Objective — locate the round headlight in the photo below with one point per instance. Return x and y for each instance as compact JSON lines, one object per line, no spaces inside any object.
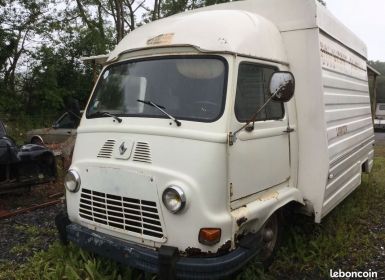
{"x":72,"y":181}
{"x":174,"y":199}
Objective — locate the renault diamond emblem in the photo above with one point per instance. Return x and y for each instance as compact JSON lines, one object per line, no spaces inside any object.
{"x":122,"y":149}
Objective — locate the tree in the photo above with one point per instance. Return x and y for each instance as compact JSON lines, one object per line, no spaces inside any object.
{"x":122,"y":12}
{"x":21,"y":22}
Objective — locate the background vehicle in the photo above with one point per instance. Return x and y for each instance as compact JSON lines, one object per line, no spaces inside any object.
{"x":379,"y":120}
{"x":63,"y":128}
{"x":182,"y":161}
{"x":23,"y":166}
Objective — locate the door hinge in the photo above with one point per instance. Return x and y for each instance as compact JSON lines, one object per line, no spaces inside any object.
{"x":288,"y":130}
{"x":231,"y":138}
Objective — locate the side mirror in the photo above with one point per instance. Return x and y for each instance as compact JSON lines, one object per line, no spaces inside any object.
{"x":55,"y":126}
{"x":282,"y":85}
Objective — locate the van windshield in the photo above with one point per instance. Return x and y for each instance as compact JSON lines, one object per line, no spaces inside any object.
{"x":188,"y":88}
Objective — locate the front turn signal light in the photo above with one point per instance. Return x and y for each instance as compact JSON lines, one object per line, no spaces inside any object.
{"x":209,"y":236}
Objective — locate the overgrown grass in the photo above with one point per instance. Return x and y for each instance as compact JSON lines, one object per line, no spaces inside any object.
{"x":347,"y":239}
{"x":69,"y":262}
{"x":17,"y":126}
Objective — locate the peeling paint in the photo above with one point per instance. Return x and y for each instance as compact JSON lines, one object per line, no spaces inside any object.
{"x":268,"y":196}
{"x":194,"y":252}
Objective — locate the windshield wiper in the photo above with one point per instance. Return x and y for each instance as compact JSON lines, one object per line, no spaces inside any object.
{"x":160,"y":108}
{"x":96,"y":114}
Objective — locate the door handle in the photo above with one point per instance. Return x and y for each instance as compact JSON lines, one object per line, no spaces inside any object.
{"x":288,"y":130}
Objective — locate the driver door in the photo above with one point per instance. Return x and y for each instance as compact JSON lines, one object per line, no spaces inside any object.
{"x":258,"y":159}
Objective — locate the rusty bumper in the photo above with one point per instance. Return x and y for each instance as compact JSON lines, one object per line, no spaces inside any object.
{"x":164,"y":261}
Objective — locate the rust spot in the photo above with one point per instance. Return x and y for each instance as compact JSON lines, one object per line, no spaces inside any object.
{"x":225,"y":248}
{"x":241,"y":221}
{"x":194,"y":252}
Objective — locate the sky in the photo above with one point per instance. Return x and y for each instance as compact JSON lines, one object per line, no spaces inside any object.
{"x":366,"y":18}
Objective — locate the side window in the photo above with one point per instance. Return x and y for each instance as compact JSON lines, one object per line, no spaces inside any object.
{"x":66,"y":122}
{"x":252,"y":93}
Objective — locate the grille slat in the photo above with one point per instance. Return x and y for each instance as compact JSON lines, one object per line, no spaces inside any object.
{"x":130,"y":214}
{"x":107,"y":149}
{"x":142,"y":152}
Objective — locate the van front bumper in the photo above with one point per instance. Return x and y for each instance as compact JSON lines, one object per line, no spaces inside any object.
{"x":162,"y":262}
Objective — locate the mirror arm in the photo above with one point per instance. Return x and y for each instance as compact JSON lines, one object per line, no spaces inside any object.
{"x":254,"y":117}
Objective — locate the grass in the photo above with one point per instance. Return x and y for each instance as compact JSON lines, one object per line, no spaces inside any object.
{"x":17,"y":126}
{"x":348,"y":239}
{"x":69,"y":262}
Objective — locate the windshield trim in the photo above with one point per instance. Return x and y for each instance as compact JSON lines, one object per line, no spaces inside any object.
{"x":192,"y":56}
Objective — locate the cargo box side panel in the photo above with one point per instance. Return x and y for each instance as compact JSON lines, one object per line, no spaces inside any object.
{"x":313,"y":163}
{"x":348,"y":119}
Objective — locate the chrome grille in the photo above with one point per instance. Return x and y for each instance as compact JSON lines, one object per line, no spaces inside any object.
{"x":142,"y":152}
{"x":106,"y":150}
{"x":130,"y":214}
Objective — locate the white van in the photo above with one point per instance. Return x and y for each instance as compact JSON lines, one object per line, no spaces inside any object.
{"x":379,"y":120}
{"x":184,"y":164}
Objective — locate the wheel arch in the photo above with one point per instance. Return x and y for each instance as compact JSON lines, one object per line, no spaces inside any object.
{"x":250,"y":217}
{"x":36,"y":136}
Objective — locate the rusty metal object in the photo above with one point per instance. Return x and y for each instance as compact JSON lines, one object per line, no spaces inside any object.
{"x":8,"y":214}
{"x":194,"y":252}
{"x":241,"y":221}
{"x":225,"y":248}
{"x":56,"y":195}
{"x":64,"y":151}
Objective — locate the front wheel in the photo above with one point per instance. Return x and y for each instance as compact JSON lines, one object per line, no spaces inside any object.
{"x":271,"y":233}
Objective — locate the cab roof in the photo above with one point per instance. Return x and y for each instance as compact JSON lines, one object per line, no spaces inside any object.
{"x":209,"y":31}
{"x":250,"y":28}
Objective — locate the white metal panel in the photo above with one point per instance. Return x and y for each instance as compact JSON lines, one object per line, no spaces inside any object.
{"x":347,"y":102}
{"x":303,"y":53}
{"x":198,"y":167}
{"x":250,"y":34}
{"x":259,"y":159}
{"x":347,"y":116}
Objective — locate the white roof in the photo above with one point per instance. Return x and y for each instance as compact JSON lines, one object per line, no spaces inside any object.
{"x":247,"y":34}
{"x":245,"y":27}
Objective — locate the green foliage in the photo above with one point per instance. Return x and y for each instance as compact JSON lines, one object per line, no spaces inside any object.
{"x":60,"y":262}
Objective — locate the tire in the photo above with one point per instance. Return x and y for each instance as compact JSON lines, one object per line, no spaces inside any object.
{"x":271,"y":233}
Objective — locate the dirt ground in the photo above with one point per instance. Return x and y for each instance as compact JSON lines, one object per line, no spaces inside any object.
{"x":23,"y":235}
{"x":26,"y":198}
